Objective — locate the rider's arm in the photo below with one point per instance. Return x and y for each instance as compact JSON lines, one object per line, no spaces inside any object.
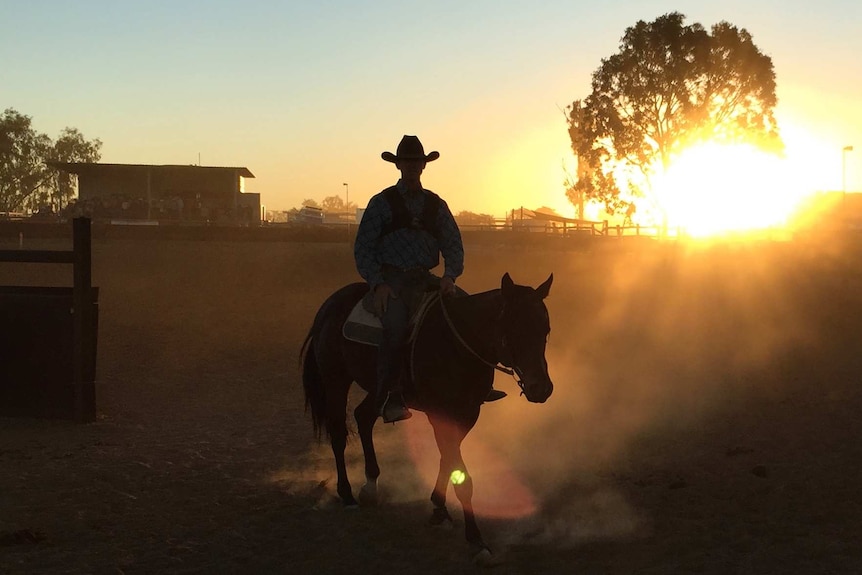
{"x":366,"y":249}
{"x":451,"y":245}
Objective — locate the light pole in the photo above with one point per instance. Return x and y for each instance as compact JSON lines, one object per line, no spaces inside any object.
{"x":844,"y":151}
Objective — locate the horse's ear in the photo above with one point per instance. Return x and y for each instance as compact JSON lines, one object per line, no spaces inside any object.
{"x":544,"y":289}
{"x":507,"y":285}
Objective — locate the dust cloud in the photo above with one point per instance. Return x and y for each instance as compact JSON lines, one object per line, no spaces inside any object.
{"x":649,"y":348}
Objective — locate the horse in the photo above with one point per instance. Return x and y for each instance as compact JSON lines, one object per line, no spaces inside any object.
{"x":449,"y":371}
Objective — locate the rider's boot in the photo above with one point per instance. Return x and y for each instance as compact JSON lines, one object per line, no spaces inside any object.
{"x":393,"y":408}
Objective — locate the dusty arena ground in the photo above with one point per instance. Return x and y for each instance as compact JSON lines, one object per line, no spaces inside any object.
{"x":706,"y":419}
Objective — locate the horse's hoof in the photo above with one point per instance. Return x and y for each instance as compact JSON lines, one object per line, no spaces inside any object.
{"x":328,"y":503}
{"x":440,"y":517}
{"x":484,"y":558}
{"x":368,"y":495}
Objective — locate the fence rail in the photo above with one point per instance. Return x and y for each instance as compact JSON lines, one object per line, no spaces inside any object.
{"x":37,"y":256}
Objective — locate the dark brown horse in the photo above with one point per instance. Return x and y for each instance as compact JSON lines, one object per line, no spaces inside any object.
{"x":452,"y":360}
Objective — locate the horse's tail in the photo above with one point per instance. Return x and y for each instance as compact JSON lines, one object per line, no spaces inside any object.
{"x":315,"y":391}
{"x":312,"y":380}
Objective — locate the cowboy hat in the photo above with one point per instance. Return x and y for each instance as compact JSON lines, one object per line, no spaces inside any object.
{"x":410,"y":148}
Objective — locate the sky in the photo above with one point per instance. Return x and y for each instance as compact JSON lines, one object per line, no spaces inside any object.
{"x":308,"y":94}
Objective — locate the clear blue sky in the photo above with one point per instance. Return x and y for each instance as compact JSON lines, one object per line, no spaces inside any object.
{"x":308,"y":94}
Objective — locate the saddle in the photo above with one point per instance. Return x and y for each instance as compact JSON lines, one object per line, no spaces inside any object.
{"x":362,"y":326}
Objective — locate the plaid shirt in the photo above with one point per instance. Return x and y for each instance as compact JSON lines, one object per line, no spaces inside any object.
{"x":406,"y":248}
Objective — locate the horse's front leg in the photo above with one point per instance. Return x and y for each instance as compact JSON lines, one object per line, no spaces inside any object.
{"x":449,"y":436}
{"x":440,"y":514}
{"x":366,"y":415}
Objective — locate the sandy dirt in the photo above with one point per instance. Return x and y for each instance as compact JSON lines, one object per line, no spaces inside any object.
{"x":706,"y":419}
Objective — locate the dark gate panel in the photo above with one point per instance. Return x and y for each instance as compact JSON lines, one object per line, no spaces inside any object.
{"x":37,"y":351}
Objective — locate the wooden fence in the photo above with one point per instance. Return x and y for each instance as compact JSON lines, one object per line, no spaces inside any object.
{"x":84,"y":311}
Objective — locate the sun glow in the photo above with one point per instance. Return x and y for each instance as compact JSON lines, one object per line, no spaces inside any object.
{"x":715,"y":189}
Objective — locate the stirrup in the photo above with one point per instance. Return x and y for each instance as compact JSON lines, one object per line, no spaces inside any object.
{"x":394,"y":409}
{"x":494,"y":395}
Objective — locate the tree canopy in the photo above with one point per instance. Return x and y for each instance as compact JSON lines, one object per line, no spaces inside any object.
{"x":71,"y":146}
{"x":671,"y":85}
{"x":26,"y":180}
{"x":337,"y":204}
{"x":465,"y":218}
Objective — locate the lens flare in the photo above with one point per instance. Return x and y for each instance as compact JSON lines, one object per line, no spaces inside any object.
{"x":501,"y":492}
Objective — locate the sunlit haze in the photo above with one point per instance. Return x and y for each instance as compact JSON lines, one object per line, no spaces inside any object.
{"x":712,"y":188}
{"x":307,"y":95}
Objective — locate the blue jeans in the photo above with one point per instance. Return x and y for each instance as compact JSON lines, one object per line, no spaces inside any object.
{"x":408,"y":289}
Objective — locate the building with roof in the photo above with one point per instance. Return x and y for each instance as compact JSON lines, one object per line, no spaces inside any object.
{"x":164,"y":193}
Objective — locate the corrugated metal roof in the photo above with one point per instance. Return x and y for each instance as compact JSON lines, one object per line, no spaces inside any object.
{"x":79,"y":167}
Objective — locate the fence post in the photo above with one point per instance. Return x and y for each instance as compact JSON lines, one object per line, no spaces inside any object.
{"x":82,"y":331}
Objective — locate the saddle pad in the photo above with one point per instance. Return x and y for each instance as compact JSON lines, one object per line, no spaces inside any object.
{"x":362,"y":326}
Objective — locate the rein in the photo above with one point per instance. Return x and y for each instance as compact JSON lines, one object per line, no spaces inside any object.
{"x":515,"y":373}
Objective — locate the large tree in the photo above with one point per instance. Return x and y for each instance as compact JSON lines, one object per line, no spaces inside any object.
{"x":22,"y":160}
{"x":26,"y":180}
{"x":333,"y":204}
{"x":70,"y":146}
{"x":671,"y":85}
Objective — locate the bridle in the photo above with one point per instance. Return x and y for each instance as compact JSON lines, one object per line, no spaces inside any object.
{"x":514,"y":371}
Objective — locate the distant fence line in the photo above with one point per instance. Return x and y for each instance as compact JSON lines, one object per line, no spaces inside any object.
{"x":19,"y":232}
{"x":541,"y":224}
{"x":565,"y":226}
{"x":579,"y":228}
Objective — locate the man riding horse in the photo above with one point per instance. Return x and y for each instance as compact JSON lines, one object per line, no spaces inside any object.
{"x":404,"y":230}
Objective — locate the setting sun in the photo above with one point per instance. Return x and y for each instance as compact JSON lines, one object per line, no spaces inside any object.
{"x":714,"y":189}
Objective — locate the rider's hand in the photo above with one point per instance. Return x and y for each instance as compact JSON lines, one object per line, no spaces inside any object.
{"x":447,"y":286}
{"x":381,"y":298}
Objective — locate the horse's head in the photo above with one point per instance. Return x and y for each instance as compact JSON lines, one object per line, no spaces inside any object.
{"x":524,"y":327}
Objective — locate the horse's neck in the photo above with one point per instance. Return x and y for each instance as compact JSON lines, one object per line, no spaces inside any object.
{"x":475,"y":318}
{"x":478,"y":308}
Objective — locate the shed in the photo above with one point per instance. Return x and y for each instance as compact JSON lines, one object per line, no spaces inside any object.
{"x":164,"y":192}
